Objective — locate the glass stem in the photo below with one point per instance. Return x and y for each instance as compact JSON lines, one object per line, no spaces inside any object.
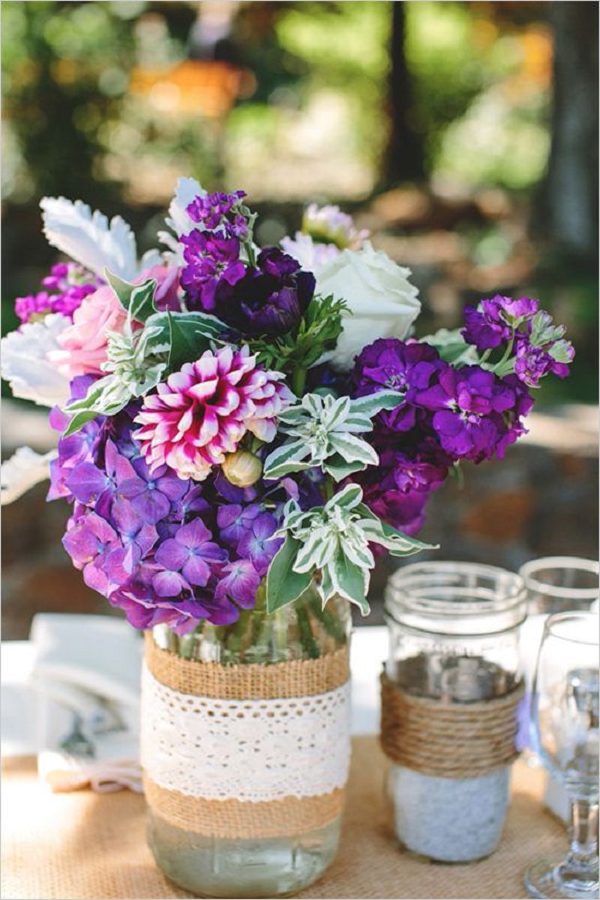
{"x":583,"y":834}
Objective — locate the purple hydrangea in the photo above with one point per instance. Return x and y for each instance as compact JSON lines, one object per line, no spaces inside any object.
{"x":186,"y":560}
{"x":66,"y":286}
{"x":163,"y":549}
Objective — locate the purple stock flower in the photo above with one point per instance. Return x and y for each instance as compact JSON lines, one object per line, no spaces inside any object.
{"x":213,"y":262}
{"x":404,"y":366}
{"x":66,"y":286}
{"x":534,"y":363}
{"x":187,"y":560}
{"x":468,"y":406}
{"x":494,"y":321}
{"x":220,"y":212}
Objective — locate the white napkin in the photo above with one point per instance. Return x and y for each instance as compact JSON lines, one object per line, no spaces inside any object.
{"x":86,"y":676}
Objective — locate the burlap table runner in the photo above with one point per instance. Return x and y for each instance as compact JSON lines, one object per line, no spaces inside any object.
{"x":90,"y":846}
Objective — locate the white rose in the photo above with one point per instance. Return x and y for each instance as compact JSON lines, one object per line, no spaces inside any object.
{"x":380,"y":298}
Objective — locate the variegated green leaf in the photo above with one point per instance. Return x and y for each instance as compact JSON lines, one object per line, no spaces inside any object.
{"x":335,"y":412}
{"x":353,"y":449}
{"x":349,"y":581}
{"x":136,"y":299}
{"x":372,"y":404}
{"x":284,"y":584}
{"x":317,"y":550}
{"x":285,"y":459}
{"x":347,"y":499}
{"x":339,"y":469}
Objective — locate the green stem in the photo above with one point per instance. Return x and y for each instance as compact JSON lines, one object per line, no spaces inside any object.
{"x":298,"y":381}
{"x":329,"y":488}
{"x":237,"y":632}
{"x":306,"y":635}
{"x":330,"y":621}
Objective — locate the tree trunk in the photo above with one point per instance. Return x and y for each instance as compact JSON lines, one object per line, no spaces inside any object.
{"x":404,"y":155}
{"x":567,"y":208}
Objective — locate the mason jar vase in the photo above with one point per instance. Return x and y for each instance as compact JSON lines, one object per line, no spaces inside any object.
{"x":248,"y":865}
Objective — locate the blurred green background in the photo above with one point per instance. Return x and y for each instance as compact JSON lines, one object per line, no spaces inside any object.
{"x":463,"y":134}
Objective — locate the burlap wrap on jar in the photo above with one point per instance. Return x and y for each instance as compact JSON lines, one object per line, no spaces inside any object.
{"x":245,"y":751}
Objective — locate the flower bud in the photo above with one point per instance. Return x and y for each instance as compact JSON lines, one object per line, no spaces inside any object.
{"x":242,"y":468}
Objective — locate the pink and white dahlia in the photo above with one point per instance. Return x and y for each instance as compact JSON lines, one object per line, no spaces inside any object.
{"x":201,"y":413}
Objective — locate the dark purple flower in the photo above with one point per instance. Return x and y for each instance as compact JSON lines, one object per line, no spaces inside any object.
{"x":412,"y":474}
{"x":404,"y":366}
{"x":212,"y":262}
{"x":239,"y":582}
{"x":468,"y":405}
{"x":258,"y":544}
{"x":269,"y":299}
{"x":187,"y":560}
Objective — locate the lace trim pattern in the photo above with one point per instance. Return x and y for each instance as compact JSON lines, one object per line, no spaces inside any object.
{"x":248,"y":750}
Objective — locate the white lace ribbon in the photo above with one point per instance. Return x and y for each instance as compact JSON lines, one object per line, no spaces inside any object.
{"x":248,"y":750}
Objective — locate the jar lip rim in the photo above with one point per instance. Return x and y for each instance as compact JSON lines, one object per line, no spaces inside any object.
{"x":515,"y":597}
{"x":577,"y":563}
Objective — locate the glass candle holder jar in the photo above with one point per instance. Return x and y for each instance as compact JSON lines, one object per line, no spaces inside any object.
{"x":558,"y":584}
{"x":450,"y":696}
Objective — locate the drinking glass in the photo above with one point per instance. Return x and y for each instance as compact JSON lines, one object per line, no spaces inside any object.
{"x":564,"y":732}
{"x":560,"y":583}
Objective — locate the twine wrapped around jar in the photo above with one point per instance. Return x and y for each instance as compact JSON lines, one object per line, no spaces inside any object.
{"x":255,"y":750}
{"x":450,"y":740}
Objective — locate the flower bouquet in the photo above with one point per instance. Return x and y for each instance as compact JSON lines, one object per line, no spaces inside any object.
{"x":243,"y":430}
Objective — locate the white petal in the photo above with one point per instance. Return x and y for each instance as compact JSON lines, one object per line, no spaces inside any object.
{"x":22,"y":471}
{"x":24,"y":362}
{"x":89,"y":238}
{"x":186,"y":190}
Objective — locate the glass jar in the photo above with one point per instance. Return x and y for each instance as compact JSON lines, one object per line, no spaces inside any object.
{"x":558,"y":584}
{"x":251,"y":866}
{"x":454,"y":633}
{"x":554,"y":584}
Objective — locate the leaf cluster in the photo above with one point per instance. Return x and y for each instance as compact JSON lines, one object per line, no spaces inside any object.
{"x":332,"y":541}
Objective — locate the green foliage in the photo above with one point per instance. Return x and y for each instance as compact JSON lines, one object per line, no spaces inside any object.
{"x":323,"y":432}
{"x":331,"y":545}
{"x":317,"y":333}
